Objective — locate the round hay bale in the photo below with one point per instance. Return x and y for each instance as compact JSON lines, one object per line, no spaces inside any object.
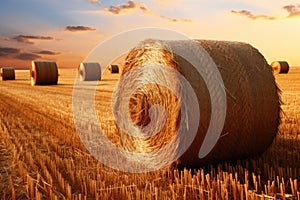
{"x":113,"y":69}
{"x":251,"y":121}
{"x":43,"y":73}
{"x":7,"y":73}
{"x":89,"y":71}
{"x":280,"y":67}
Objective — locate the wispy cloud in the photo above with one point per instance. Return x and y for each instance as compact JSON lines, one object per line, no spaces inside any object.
{"x":131,"y":6}
{"x":250,"y":15}
{"x":293,"y":11}
{"x":27,"y":56}
{"x":5,"y":51}
{"x":20,"y":54}
{"x":175,"y":19}
{"x":127,"y":7}
{"x":79,"y":28}
{"x":47,"y":52}
{"x":94,"y":1}
{"x":28,"y":38}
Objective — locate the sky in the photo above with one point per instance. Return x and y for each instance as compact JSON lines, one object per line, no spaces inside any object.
{"x":67,"y":30}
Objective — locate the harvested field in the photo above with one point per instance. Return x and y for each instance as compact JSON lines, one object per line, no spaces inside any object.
{"x":42,"y":157}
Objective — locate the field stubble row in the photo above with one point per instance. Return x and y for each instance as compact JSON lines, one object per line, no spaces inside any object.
{"x":42,"y":157}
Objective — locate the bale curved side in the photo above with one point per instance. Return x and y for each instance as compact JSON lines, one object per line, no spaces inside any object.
{"x":89,"y":71}
{"x":7,"y":73}
{"x":113,"y":69}
{"x":43,"y":73}
{"x":251,"y":121}
{"x":280,"y":67}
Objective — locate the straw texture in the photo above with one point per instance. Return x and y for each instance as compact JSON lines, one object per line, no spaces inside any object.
{"x":7,"y":73}
{"x":252,"y":119}
{"x":43,"y":73}
{"x":89,"y":71}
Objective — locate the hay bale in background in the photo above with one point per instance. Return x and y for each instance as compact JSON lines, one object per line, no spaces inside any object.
{"x":113,"y":69}
{"x":280,"y":67}
{"x":252,"y":119}
{"x":43,"y":73}
{"x":7,"y":73}
{"x":89,"y":71}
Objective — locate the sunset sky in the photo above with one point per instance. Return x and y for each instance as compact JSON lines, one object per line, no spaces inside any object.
{"x":67,"y":30}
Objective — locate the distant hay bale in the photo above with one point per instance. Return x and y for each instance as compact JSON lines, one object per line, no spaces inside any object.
{"x":7,"y":73}
{"x":253,"y":102}
{"x":113,"y":69}
{"x":280,"y":67}
{"x":43,"y":73}
{"x":89,"y":71}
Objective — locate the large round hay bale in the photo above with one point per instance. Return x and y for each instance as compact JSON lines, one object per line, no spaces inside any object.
{"x":43,"y":73}
{"x":113,"y":69}
{"x":280,"y":67}
{"x":7,"y":73}
{"x":89,"y":71}
{"x":251,"y":121}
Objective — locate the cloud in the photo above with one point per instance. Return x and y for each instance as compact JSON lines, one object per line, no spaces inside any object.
{"x":9,"y":53}
{"x":47,"y":52}
{"x":174,"y":19}
{"x":293,"y":10}
{"x":27,"y":56}
{"x":131,"y":6}
{"x":5,"y":51}
{"x":28,"y":38}
{"x":250,"y":15}
{"x":123,"y":8}
{"x":79,"y":28}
